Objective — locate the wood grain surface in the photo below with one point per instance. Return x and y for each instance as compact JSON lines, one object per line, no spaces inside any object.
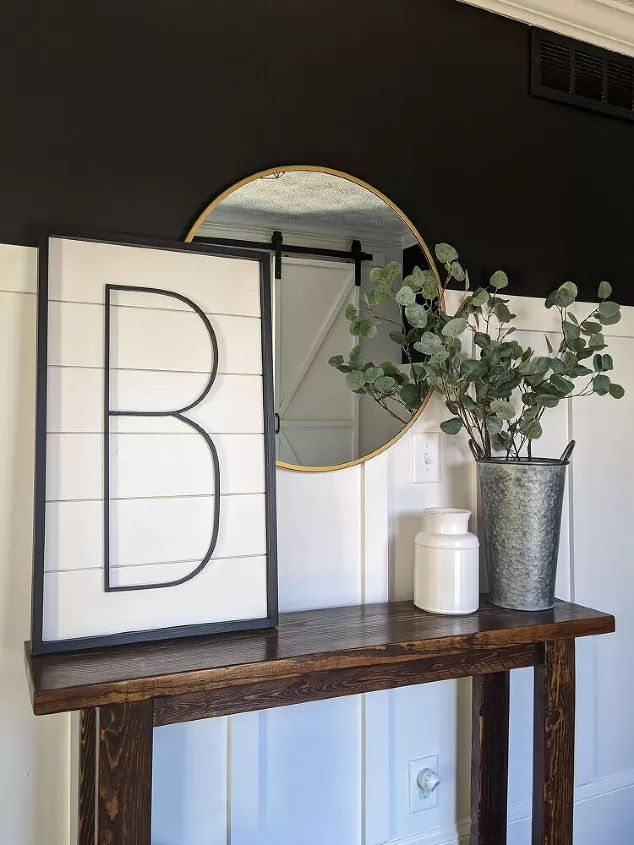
{"x":333,"y":683}
{"x":489,"y":758}
{"x":554,"y":745}
{"x":87,"y":772}
{"x":124,"y":789}
{"x":305,"y":642}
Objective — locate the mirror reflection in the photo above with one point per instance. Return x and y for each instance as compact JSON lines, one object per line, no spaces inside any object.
{"x":344,"y":386}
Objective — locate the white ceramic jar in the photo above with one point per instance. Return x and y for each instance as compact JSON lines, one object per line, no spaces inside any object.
{"x":446,"y":568}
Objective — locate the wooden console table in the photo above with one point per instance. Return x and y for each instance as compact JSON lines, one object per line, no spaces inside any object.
{"x":124,"y":692}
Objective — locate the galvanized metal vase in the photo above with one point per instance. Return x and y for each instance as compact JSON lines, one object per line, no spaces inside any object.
{"x":521,"y":505}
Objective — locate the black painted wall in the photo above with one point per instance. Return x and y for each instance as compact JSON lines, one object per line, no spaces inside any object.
{"x":129,"y":115}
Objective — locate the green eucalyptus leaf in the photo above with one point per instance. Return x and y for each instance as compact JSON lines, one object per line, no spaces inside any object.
{"x":355,"y":379}
{"x":550,"y":299}
{"x":610,"y":320}
{"x":416,"y":315}
{"x":577,"y":344}
{"x":451,"y":426}
{"x":580,"y":370}
{"x":410,"y":395}
{"x":601,"y":384}
{"x":493,"y":424}
{"x":616,"y":391}
{"x":405,"y":295}
{"x":413,"y":281}
{"x":391,"y":271}
{"x":351,"y":312}
{"x":439,"y":356}
{"x":445,"y":253}
{"x":372,"y":374}
{"x":562,"y":384}
{"x":482,"y":340}
{"x":608,"y":363}
{"x":429,"y":285}
{"x":431,"y":371}
{"x":385,"y":384}
{"x":533,"y":430}
{"x":399,"y":337}
{"x":428,"y":343}
{"x":547,"y":401}
{"x":570,"y":288}
{"x":472,"y":370}
{"x":367,"y":327}
{"x":502,"y":312}
{"x":390,"y":369}
{"x":454,"y":327}
{"x":590,"y":327}
{"x":504,"y":410}
{"x":499,"y":280}
{"x":596,"y":340}
{"x":605,"y":290}
{"x":355,"y":327}
{"x":607,"y":308}
{"x":479,"y":297}
{"x":381,"y":294}
{"x":570,"y":331}
{"x":336,"y":360}
{"x":457,"y":271}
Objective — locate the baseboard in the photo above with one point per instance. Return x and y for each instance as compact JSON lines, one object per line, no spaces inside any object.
{"x":519,"y":814}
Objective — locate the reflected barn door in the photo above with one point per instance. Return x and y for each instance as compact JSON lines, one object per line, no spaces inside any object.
{"x":319,"y":423}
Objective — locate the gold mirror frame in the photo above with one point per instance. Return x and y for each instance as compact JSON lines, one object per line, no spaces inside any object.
{"x":428,"y":255}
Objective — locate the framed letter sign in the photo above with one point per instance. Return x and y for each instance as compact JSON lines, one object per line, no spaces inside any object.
{"x":154,"y":493}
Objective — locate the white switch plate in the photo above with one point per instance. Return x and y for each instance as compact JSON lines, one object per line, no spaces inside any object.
{"x":416,"y":802}
{"x":426,"y":457}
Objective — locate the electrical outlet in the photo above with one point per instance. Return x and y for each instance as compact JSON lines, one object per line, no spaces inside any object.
{"x":426,"y":457}
{"x":420,"y":799}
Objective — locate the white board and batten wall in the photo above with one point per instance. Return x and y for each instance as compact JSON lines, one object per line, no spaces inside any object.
{"x":336,"y":772}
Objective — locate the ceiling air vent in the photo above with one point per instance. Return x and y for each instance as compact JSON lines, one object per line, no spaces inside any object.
{"x":582,"y":75}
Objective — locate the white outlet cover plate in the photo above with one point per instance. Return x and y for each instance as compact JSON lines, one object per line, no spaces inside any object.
{"x":426,"y":457}
{"x":416,"y":803}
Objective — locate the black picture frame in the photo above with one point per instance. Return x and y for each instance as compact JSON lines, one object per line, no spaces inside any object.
{"x":40,"y":646}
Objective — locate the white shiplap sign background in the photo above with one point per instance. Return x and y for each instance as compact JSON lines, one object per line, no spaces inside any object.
{"x":162,"y":481}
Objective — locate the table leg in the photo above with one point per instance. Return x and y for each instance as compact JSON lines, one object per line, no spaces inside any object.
{"x":489,"y":758}
{"x":87,"y":764}
{"x":124,"y":774}
{"x":554,"y":745}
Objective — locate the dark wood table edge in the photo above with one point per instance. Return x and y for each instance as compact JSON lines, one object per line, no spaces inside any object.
{"x":200,"y":681}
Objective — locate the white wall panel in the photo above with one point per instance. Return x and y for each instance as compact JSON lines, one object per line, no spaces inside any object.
{"x":603,"y":473}
{"x":34,"y":772}
{"x":319,"y":532}
{"x":190,"y":784}
{"x":296,"y":775}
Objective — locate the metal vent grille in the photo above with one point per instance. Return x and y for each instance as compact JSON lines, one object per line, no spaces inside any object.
{"x":582,"y":75}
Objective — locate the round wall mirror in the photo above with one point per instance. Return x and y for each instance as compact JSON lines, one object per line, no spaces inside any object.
{"x":344,"y":388}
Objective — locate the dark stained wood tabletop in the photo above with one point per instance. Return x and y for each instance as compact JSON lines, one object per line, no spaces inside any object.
{"x":313,"y":641}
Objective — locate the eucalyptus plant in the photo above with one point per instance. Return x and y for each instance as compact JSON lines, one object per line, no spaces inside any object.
{"x":495,"y":388}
